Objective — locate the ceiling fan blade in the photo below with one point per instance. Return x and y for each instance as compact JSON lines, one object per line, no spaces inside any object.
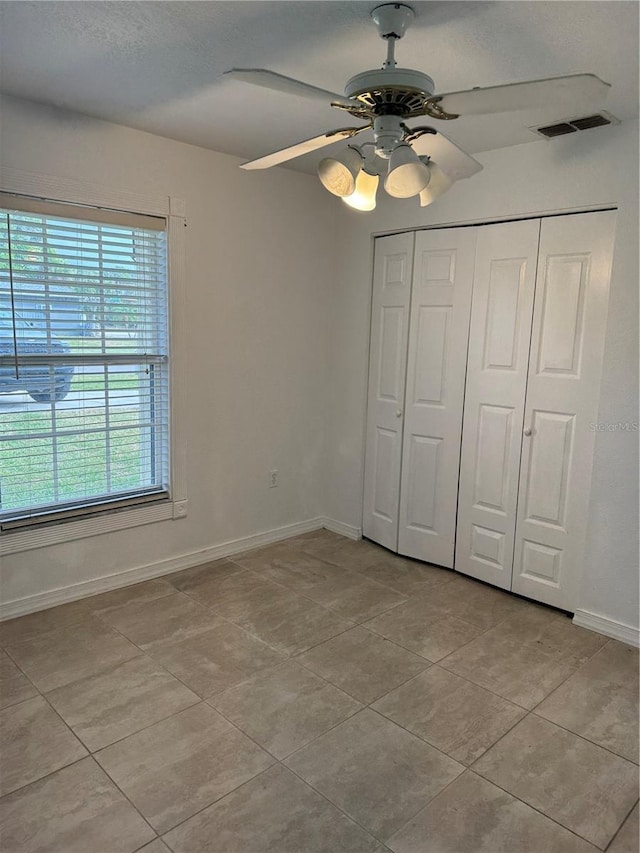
{"x":280,"y":83}
{"x":455,"y":162}
{"x":303,"y":147}
{"x":569,"y":92}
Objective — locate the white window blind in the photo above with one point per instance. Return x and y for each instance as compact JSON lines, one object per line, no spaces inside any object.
{"x":84,"y":370}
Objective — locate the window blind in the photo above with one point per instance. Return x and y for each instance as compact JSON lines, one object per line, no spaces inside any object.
{"x":84,"y":361}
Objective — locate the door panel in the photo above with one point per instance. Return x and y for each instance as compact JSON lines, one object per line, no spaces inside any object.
{"x":491,"y":484}
{"x":393,"y":263}
{"x":386,"y":451}
{"x":392,"y":335}
{"x":429,"y":372}
{"x":501,"y":325}
{"x":549,"y":458}
{"x":567,"y":346}
{"x":499,"y":343}
{"x":422,"y":477}
{"x":561,"y":325}
{"x":439,"y":328}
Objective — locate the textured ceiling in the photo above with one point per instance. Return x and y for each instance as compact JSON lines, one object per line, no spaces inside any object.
{"x":158,"y":66}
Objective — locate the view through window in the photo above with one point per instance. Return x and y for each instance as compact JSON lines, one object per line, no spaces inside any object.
{"x":83,"y":360}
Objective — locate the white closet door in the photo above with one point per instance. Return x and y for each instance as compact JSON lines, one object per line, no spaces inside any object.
{"x":392,"y":272}
{"x":569,"y":324}
{"x":438,"y":336}
{"x":499,"y":342}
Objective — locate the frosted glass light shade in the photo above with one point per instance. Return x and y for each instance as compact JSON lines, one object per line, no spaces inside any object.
{"x":440,"y":182}
{"x":364,"y":196}
{"x":407,"y":175}
{"x":338,"y":174}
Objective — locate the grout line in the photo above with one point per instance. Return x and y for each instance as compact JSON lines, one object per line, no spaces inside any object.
{"x":88,"y":757}
{"x":299,"y":748}
{"x":146,"y":844}
{"x":127,"y":798}
{"x":290,"y":655}
{"x":295,"y":595}
{"x":335,"y":805}
{"x":24,"y":674}
{"x":46,"y":775}
{"x":104,"y":671}
{"x":617,"y":832}
{"x":496,"y":742}
{"x":580,"y":667}
{"x":426,"y":805}
{"x":584,"y":738}
{"x":361,"y":701}
{"x":346,"y":569}
{"x":217,"y":800}
{"x":143,"y":728}
{"x":443,"y":660}
{"x":413,"y":651}
{"x":536,"y":809}
{"x":215,"y":710}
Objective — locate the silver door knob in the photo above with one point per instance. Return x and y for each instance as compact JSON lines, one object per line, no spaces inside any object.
{"x":399,"y":413}
{"x":527,"y":431}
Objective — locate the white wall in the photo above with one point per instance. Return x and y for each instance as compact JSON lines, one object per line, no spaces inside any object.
{"x":278,"y":302}
{"x":572,"y":173}
{"x":259,"y":250}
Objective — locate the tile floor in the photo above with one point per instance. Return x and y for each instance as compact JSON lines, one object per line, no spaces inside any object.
{"x":315,"y":695}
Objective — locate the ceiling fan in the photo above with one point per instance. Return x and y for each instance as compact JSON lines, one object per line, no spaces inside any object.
{"x":417,"y":160}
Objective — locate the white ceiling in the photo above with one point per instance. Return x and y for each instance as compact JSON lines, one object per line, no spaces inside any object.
{"x":158,"y":66}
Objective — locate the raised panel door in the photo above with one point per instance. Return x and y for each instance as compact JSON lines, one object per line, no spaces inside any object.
{"x":437,"y":354}
{"x":563,"y":388}
{"x":393,"y":264}
{"x":499,"y":341}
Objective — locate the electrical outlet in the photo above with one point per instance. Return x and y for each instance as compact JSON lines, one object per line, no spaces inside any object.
{"x":273,"y":478}
{"x":180,"y":509}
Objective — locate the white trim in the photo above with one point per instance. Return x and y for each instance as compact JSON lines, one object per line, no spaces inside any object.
{"x":75,"y":191}
{"x":63,"y":595}
{"x":26,"y":539}
{"x":177,"y":287}
{"x":173,"y":209}
{"x":507,"y":217}
{"x":608,"y":627}
{"x":342,"y":529}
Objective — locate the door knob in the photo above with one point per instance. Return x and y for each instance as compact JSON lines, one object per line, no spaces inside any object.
{"x":527,"y":431}
{"x":399,"y":413}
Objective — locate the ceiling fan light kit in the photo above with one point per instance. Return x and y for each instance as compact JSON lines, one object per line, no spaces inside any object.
{"x":407,"y":175}
{"x":364,"y":196}
{"x":418,"y":161}
{"x":439,"y":184}
{"x":338,"y":174}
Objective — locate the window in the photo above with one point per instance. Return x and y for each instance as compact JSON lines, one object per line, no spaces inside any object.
{"x":84,"y":361}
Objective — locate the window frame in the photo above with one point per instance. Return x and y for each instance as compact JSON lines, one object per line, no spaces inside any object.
{"x":173,"y":210}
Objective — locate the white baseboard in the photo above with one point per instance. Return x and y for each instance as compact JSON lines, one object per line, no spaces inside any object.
{"x":63,"y":595}
{"x":343,"y":529}
{"x":609,"y":627}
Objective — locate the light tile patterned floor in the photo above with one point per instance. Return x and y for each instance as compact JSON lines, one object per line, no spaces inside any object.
{"x":315,"y":696}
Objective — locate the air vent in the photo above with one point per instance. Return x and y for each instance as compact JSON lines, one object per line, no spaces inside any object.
{"x":590,"y":121}
{"x":561,"y":128}
{"x":552,"y":130}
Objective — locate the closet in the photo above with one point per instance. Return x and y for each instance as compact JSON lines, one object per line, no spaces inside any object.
{"x":486,"y":353}
{"x":419,"y":333}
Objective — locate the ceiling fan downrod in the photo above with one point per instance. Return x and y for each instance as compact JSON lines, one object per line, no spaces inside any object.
{"x":392,"y":20}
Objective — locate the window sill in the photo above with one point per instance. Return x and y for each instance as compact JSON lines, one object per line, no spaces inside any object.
{"x":25,"y":540}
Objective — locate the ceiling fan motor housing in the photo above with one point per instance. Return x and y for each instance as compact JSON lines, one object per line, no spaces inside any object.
{"x":391,"y":91}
